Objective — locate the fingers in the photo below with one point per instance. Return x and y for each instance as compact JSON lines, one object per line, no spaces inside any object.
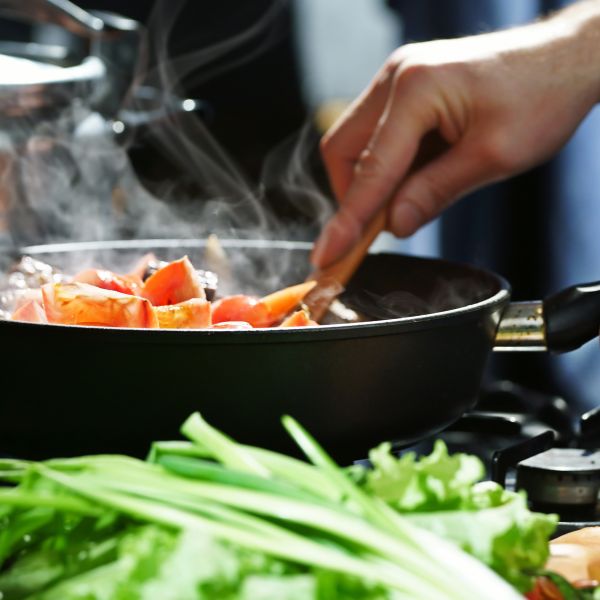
{"x":427,"y":192}
{"x":382,"y":163}
{"x":342,"y":144}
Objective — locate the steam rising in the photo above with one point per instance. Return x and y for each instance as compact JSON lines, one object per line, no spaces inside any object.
{"x":447,"y":294}
{"x":71,"y":177}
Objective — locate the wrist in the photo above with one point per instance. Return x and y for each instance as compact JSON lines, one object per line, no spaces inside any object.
{"x":577,"y":29}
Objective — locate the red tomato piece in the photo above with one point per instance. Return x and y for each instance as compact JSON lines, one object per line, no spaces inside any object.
{"x":83,"y":304}
{"x":241,"y":308}
{"x":31,"y":312}
{"x":174,"y":283}
{"x":107,"y":280}
{"x":190,"y":314}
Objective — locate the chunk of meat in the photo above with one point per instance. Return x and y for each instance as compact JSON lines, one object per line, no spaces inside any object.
{"x":176,"y":282}
{"x":84,"y":304}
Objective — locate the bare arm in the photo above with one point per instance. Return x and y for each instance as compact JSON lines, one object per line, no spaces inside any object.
{"x":501,"y":102}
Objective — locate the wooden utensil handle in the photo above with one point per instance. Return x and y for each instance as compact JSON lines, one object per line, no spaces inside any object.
{"x":343,"y":269}
{"x":332,"y":279}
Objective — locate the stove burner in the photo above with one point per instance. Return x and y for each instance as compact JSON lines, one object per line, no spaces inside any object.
{"x":562,"y":480}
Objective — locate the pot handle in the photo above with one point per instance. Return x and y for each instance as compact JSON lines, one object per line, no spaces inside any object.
{"x":59,"y":12}
{"x":572,"y":317}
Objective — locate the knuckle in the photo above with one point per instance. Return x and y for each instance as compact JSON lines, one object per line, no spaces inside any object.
{"x":394,"y":60}
{"x":414,"y":74}
{"x":402,"y":54}
{"x":404,"y":64}
{"x":369,"y":166}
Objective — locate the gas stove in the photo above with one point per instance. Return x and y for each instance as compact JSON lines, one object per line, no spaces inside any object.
{"x":529,"y":440}
{"x":559,"y":474}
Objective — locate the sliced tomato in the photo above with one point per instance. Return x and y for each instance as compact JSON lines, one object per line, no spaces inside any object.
{"x":282,"y":302}
{"x":241,"y":308}
{"x":31,"y":312}
{"x":190,"y":314}
{"x":544,"y":589}
{"x":173,"y":283}
{"x":232,"y":325}
{"x":83,"y":304}
{"x":107,"y":280}
{"x":299,"y":318}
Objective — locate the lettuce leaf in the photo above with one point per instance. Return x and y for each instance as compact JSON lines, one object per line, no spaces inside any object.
{"x":442,"y":493}
{"x":438,"y":481}
{"x":508,"y":537}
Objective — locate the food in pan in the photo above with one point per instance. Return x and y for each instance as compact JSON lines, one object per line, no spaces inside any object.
{"x":154,"y":294}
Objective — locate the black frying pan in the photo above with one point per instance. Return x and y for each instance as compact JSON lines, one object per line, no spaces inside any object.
{"x":84,"y":389}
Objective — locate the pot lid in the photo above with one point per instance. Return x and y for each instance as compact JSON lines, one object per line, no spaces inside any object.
{"x":34,"y":76}
{"x":27,"y":85}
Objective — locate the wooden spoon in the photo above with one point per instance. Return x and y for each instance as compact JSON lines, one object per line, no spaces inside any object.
{"x":332,"y":280}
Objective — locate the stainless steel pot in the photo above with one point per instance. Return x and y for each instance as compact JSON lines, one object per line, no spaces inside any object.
{"x":67,"y":98}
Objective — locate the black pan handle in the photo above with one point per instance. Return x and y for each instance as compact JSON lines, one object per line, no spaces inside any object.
{"x":572,"y":317}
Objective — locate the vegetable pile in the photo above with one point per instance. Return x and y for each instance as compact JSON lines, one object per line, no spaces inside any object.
{"x":155,"y":294}
{"x":211,"y":518}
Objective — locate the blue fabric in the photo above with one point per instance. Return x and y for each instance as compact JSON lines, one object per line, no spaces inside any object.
{"x":426,"y":19}
{"x":477,"y":228}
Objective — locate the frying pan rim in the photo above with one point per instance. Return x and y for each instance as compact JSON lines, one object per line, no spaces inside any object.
{"x":271,"y":334}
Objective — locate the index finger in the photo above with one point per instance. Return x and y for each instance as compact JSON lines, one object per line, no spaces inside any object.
{"x":381,"y":167}
{"x":343,"y":143}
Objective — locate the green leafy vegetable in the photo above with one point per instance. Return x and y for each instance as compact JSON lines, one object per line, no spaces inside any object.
{"x":211,"y":518}
{"x":442,"y":493}
{"x":438,"y":481}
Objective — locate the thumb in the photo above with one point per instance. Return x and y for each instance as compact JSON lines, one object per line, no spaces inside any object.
{"x":432,"y":188}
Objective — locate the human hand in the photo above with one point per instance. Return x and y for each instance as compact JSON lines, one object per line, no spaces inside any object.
{"x":501,"y":103}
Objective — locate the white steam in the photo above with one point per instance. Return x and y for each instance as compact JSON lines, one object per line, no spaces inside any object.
{"x":70,"y":177}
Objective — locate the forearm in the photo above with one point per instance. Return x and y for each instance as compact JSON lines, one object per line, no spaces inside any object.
{"x":576,"y":45}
